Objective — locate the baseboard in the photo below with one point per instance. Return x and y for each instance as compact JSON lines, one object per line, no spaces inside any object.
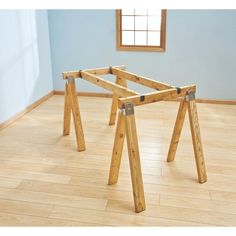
{"x":93,"y":94}
{"x":26,"y":110}
{"x":86,"y":94}
{"x":210,"y":101}
{"x":214,"y":101}
{"x":109,"y":95}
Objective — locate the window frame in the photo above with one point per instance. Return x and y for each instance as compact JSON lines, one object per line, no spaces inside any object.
{"x":121,"y":47}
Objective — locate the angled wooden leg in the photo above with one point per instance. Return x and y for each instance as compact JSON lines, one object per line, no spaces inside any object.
{"x":177,"y":130}
{"x":113,"y":112}
{"x":67,"y":112}
{"x":134,"y":159}
{"x":196,"y":137}
{"x":76,"y":114}
{"x":117,"y":149}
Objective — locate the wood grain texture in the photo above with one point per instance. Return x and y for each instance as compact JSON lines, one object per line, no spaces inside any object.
{"x":177,"y":130}
{"x":140,"y":79}
{"x":109,"y":95}
{"x":197,"y":143}
{"x":114,"y":104}
{"x":42,"y":168}
{"x":117,"y":149}
{"x":76,"y":116}
{"x":134,"y":162}
{"x":117,"y":89}
{"x":86,"y":94}
{"x":156,"y":96}
{"x":95,"y":71}
{"x":67,"y":111}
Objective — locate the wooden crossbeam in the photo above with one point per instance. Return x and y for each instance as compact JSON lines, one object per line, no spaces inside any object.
{"x":96,"y":71}
{"x":117,"y":89}
{"x":140,"y":79}
{"x":156,"y":96}
{"x":104,"y":71}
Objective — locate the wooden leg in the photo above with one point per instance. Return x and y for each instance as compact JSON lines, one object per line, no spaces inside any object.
{"x":117,"y":149}
{"x":76,"y":115}
{"x":134,"y":159}
{"x":114,"y":104}
{"x":197,"y":144}
{"x":67,"y":112}
{"x":177,"y":130}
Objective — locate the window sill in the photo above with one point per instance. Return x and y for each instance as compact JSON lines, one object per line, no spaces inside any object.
{"x":141,"y":48}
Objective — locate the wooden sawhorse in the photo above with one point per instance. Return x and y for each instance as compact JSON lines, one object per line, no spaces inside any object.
{"x":125,"y":100}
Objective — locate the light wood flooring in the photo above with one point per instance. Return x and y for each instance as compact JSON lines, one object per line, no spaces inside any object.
{"x":44,"y":181}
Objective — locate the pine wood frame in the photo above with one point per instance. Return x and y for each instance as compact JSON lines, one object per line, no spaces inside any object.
{"x":125,"y":100}
{"x":122,"y":47}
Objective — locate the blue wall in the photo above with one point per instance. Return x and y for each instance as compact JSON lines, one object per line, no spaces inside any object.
{"x":201,"y":49}
{"x":25,"y":65}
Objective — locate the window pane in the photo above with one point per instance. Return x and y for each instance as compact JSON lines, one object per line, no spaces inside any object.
{"x":128,"y":22}
{"x":153,"y":38}
{"x":127,"y":11}
{"x":140,"y":23}
{"x":154,"y":23}
{"x":142,"y":12}
{"x":154,"y":12}
{"x":140,"y":38}
{"x":128,"y":37}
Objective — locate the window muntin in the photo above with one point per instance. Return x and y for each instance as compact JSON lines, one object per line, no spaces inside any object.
{"x":141,"y":29}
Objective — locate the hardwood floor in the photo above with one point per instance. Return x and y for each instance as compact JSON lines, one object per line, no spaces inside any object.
{"x":44,"y":181}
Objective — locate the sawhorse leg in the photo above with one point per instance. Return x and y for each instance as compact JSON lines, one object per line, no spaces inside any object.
{"x":122,"y":82}
{"x":126,"y":124}
{"x":67,"y":111}
{"x":117,"y":148}
{"x":71,"y":102}
{"x":196,"y":137}
{"x":189,"y":102}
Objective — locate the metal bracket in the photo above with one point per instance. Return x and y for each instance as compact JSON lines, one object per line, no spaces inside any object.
{"x":110,"y":70}
{"x":142,"y":98}
{"x":70,"y":80}
{"x":122,"y":110}
{"x":80,"y":74}
{"x":190,"y":96}
{"x":178,"y":90}
{"x":129,"y":109}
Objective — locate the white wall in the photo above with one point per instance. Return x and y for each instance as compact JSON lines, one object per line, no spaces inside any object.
{"x":25,"y":62}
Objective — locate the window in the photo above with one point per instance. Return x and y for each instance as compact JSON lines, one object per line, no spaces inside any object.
{"x":141,"y":30}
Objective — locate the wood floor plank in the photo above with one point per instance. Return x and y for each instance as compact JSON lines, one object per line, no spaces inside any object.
{"x":7,"y":219}
{"x":9,"y":182}
{"x":52,"y":199}
{"x":180,"y":213}
{"x":25,"y":208}
{"x":42,"y":174}
{"x":83,"y":190}
{"x":113,"y":218}
{"x":196,"y":203}
{"x":18,"y":174}
{"x":223,"y":196}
